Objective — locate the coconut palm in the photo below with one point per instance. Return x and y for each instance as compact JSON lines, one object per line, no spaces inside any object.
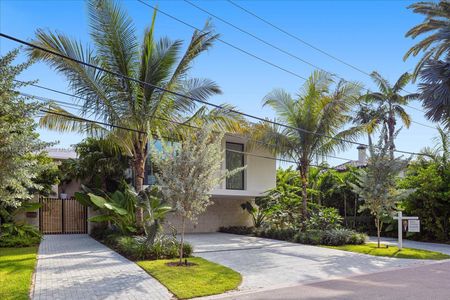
{"x":434,"y":67}
{"x":319,"y":110}
{"x":436,"y":27}
{"x":390,"y":104}
{"x":120,"y":101}
{"x":366,"y":115}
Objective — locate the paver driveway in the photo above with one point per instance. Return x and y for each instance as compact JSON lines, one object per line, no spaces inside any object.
{"x":78,"y":267}
{"x":269,"y":264}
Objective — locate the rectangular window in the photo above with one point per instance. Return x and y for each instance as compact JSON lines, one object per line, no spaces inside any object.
{"x":235,"y":160}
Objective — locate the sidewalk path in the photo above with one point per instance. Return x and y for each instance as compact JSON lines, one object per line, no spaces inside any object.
{"x":443,"y":248}
{"x":76,"y":266}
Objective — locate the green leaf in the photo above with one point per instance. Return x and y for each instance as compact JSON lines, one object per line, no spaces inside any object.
{"x":83,"y":198}
{"x":97,"y":200}
{"x":100,"y":218}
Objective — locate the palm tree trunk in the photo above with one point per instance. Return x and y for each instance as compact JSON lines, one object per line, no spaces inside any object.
{"x":139,"y":173}
{"x":304,"y":180}
{"x":391,"y":132}
{"x":354,"y":214}
{"x":377,"y":224}
{"x":345,"y":209}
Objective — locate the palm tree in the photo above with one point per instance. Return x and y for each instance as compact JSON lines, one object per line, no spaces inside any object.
{"x":433,"y":71}
{"x":436,"y":26}
{"x":366,"y":115}
{"x":390,"y":104}
{"x":319,"y":111}
{"x":117,"y":100}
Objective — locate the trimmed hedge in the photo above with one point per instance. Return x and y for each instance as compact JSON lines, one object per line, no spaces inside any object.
{"x":333,"y":237}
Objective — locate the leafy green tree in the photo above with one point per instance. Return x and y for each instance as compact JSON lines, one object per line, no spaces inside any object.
{"x":20,"y":147}
{"x":429,"y":176}
{"x":189,"y":171}
{"x":390,"y":103}
{"x":321,"y":110}
{"x":114,"y":99}
{"x":376,"y":184}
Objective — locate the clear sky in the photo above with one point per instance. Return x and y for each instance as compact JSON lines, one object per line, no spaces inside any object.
{"x":367,"y":34}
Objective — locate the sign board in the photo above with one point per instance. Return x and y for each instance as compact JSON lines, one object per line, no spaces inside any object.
{"x":413,"y":225}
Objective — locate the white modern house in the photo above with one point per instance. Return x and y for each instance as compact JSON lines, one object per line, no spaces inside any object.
{"x":62,"y":214}
{"x":258,"y":177}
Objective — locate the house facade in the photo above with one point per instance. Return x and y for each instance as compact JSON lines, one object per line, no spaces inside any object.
{"x":258,"y":177}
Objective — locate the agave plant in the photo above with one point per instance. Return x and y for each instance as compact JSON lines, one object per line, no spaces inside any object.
{"x":146,"y":106}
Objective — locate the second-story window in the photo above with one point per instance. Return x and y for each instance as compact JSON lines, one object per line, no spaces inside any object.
{"x":234,"y":160}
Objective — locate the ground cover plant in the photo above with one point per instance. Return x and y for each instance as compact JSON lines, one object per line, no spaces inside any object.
{"x":392,"y":251}
{"x":16,"y":269}
{"x":203,"y":278}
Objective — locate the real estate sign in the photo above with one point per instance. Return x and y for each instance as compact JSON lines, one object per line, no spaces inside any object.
{"x":413,"y":225}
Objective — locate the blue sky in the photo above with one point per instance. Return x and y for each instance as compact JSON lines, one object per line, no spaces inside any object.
{"x":367,"y":34}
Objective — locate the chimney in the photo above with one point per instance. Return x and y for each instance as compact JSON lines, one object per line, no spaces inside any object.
{"x":362,"y":157}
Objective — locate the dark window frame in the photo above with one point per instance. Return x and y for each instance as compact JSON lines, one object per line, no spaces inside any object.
{"x":242,"y":164}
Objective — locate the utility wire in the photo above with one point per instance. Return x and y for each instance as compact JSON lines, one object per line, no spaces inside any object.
{"x":308,"y":44}
{"x":265,"y":120}
{"x":80,"y":107}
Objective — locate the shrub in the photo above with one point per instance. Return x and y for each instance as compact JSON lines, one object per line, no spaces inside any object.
{"x":311,"y":237}
{"x":19,"y":235}
{"x":323,"y":218}
{"x":243,"y":230}
{"x":335,"y":237}
{"x":135,"y":247}
{"x":286,"y":234}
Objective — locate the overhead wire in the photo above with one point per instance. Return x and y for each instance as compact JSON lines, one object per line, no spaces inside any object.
{"x":188,"y":97}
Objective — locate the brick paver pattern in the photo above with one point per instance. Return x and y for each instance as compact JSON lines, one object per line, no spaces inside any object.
{"x":78,"y":267}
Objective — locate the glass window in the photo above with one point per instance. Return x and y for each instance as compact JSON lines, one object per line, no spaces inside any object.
{"x":235,"y":160}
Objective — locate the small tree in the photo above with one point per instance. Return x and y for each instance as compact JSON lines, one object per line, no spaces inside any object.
{"x":376,"y":185}
{"x":22,"y":162}
{"x":189,"y":171}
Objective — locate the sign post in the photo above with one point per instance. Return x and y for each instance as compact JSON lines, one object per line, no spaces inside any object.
{"x":412,"y":225}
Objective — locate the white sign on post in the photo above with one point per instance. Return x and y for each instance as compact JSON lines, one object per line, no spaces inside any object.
{"x":413,"y":225}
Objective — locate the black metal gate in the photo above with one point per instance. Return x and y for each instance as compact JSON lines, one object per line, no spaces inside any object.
{"x":62,"y":216}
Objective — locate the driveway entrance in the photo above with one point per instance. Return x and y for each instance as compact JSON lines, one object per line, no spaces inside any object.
{"x":76,"y":266}
{"x":270,"y":264}
{"x":62,"y":216}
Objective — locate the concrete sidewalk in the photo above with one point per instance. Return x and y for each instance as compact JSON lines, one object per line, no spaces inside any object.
{"x":76,"y":266}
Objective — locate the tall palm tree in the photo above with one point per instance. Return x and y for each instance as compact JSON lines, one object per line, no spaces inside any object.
{"x":366,"y":115}
{"x":433,"y":71}
{"x":117,"y":100}
{"x":390,"y":104}
{"x":320,"y":111}
{"x":436,"y":27}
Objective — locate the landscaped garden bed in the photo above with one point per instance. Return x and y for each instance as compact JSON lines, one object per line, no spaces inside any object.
{"x":16,"y":271}
{"x":203,"y":278}
{"x":392,"y":251}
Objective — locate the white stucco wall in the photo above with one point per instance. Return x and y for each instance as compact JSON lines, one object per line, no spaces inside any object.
{"x":259,"y":176}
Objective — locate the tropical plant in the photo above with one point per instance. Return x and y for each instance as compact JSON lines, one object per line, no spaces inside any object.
{"x":434,"y":89}
{"x":390,"y":105}
{"x":313,"y":122}
{"x":436,"y":27}
{"x":376,"y":184}
{"x":324,"y":218}
{"x":20,"y":147}
{"x":152,"y":104}
{"x":434,"y":66}
{"x":189,"y":171}
{"x":117,"y":209}
{"x":258,"y":214}
{"x":154,"y":211}
{"x":429,"y":176}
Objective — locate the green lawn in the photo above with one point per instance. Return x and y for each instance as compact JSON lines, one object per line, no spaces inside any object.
{"x":206,"y":278}
{"x":392,"y":251}
{"x":16,"y":269}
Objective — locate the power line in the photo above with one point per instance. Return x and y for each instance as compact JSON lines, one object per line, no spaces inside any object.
{"x":307,"y":43}
{"x":186,"y":96}
{"x":297,"y":38}
{"x":287,"y":52}
{"x":79,"y":107}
